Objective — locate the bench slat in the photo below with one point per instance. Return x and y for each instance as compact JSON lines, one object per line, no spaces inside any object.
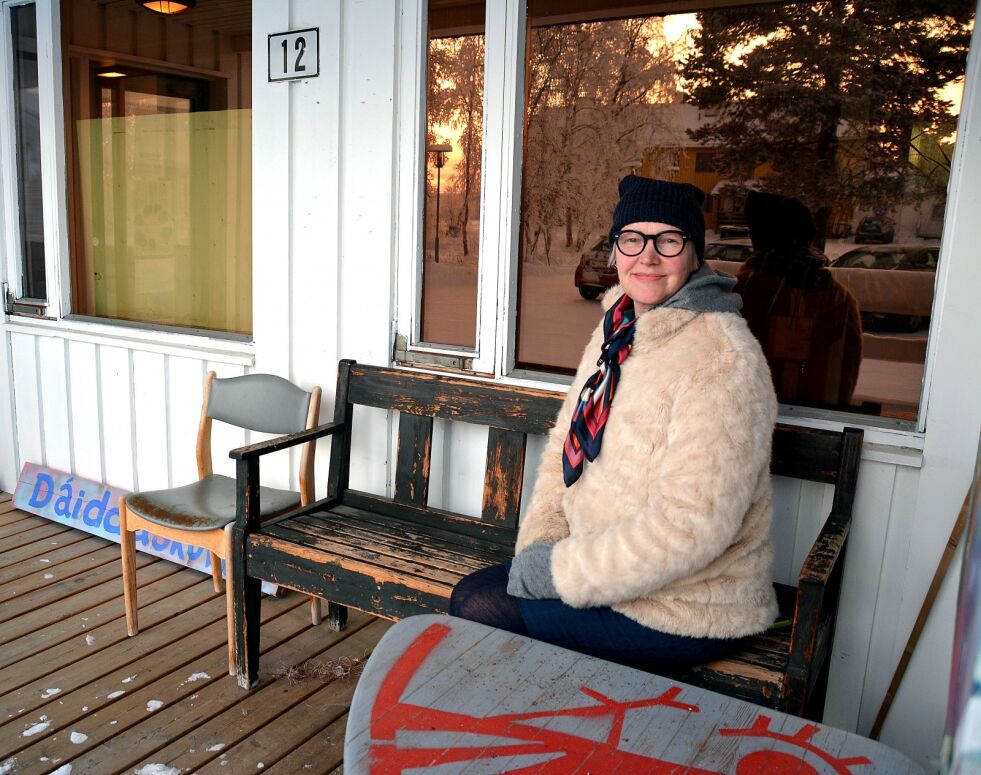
{"x":322,"y":543}
{"x":455,"y":398}
{"x":432,"y":518}
{"x":370,"y":588}
{"x":396,"y":545}
{"x":406,"y":535}
{"x":413,"y":457}
{"x":806,"y":453}
{"x":503,"y":475}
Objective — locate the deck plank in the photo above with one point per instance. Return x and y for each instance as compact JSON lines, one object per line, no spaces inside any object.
{"x":55,"y":557}
{"x":301,"y":707}
{"x":37,"y":601}
{"x":51,"y":573}
{"x":322,"y":754}
{"x":161,"y":583}
{"x":37,"y":546}
{"x":68,"y":632}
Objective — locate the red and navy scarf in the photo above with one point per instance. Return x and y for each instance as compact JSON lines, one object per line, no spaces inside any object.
{"x":589,"y":419}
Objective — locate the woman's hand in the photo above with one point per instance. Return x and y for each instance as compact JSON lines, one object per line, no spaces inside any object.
{"x":531,"y":573}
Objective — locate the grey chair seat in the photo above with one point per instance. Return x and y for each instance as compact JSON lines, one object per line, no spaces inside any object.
{"x":208,"y":504}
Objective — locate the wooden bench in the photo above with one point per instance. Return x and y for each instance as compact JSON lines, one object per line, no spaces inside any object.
{"x":395,"y":557}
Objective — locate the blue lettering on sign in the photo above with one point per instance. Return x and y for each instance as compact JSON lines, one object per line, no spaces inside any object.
{"x":37,"y":499}
{"x":95,"y":511}
{"x":111,"y":522}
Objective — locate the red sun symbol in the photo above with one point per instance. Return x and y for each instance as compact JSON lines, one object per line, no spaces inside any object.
{"x":781,"y":763}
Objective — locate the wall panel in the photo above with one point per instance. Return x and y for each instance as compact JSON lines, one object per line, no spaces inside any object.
{"x":150,"y":417}
{"x":86,"y":403}
{"x":27,"y":399}
{"x":115,"y":387}
{"x":185,"y":388}
{"x":52,"y":368}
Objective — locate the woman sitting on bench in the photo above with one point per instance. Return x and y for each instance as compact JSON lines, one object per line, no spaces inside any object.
{"x":646,"y":541}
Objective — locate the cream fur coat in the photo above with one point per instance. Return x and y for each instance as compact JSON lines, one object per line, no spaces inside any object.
{"x":670,"y":525}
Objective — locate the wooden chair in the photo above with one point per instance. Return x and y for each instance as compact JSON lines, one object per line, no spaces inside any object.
{"x":203,"y":513}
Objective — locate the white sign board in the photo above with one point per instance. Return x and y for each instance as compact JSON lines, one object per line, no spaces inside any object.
{"x":294,"y":54}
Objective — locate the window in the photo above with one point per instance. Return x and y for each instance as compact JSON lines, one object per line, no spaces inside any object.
{"x":454,"y":129}
{"x":735,"y":100}
{"x":26,"y":114}
{"x":704,"y":161}
{"x":158,"y":122}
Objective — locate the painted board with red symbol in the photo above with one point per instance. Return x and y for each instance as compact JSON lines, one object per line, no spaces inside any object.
{"x":444,"y":695}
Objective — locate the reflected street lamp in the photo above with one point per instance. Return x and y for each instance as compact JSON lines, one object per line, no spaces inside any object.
{"x":439,"y":159}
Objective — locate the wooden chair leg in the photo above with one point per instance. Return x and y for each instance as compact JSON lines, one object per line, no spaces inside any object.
{"x":229,"y":586}
{"x":316,"y":617}
{"x":336,"y":616}
{"x":216,"y":572}
{"x":127,"y":542}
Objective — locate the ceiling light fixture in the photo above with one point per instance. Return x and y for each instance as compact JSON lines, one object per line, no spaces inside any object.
{"x":167,"y":7}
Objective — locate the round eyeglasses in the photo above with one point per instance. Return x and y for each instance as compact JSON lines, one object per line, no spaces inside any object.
{"x":667,"y":243}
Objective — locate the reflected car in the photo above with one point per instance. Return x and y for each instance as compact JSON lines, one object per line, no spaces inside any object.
{"x":901,"y":296}
{"x":914,"y":258}
{"x":875,"y":228}
{"x":595,"y":272}
{"x":728,"y":250}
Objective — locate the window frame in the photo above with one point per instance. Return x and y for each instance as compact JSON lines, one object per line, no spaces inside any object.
{"x":497,"y":278}
{"x":500,"y":198}
{"x":53,"y":169}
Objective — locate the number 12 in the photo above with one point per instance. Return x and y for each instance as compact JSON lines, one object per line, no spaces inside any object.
{"x":300,"y":46}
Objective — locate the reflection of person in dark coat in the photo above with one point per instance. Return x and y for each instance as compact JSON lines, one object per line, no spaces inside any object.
{"x":806,"y":321}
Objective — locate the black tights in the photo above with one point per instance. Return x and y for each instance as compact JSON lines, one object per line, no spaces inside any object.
{"x":483,"y":597}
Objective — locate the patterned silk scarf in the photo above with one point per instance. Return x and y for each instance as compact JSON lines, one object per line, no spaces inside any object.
{"x":589,"y":419}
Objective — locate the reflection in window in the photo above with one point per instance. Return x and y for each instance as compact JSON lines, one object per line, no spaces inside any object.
{"x":23,"y":32}
{"x":850,"y":109}
{"x":160,"y":133}
{"x":454,"y":130}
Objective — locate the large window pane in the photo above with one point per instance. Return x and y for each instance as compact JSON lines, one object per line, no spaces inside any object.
{"x":161,"y":180}
{"x":23,"y":24}
{"x":848,"y":108}
{"x":454,"y":130}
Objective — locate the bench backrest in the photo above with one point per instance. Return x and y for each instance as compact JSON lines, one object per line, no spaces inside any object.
{"x":826,"y":456}
{"x":511,"y":413}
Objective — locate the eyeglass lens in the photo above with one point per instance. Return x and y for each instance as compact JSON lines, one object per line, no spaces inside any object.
{"x":668,"y":243}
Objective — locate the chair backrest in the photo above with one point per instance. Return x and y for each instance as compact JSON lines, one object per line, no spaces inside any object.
{"x":260,"y":402}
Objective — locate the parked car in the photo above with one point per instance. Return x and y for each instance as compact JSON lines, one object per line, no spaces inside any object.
{"x":595,"y":272}
{"x":728,"y":250}
{"x":914,"y":257}
{"x":875,"y":228}
{"x":898,"y":299}
{"x":733,"y":231}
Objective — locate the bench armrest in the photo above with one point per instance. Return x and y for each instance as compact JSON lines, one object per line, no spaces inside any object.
{"x":824,"y":554}
{"x":818,"y":590}
{"x":285,"y":442}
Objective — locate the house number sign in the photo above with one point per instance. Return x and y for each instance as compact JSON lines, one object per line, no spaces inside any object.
{"x":294,"y":54}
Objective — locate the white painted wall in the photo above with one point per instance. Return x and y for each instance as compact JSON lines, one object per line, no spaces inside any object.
{"x":120,"y":405}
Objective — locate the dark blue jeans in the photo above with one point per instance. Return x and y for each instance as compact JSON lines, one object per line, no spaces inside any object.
{"x":599,"y":632}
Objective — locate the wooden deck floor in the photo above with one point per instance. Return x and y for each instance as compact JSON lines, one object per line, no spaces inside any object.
{"x":78,"y":696}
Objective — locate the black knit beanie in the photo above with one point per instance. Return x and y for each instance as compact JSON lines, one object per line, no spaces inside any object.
{"x":778,"y":222}
{"x":661,"y":201}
